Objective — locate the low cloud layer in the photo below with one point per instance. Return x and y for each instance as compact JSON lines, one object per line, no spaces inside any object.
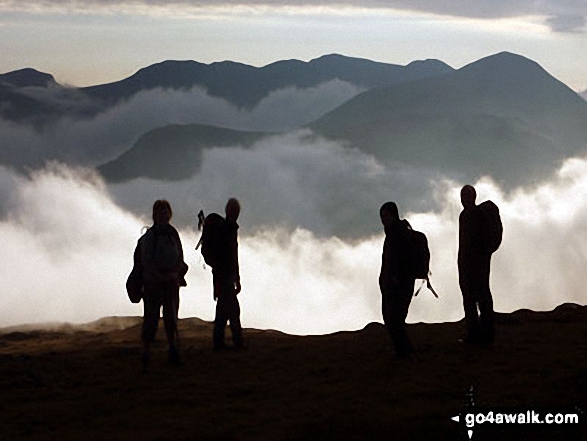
{"x":291,"y":181}
{"x":68,"y":249}
{"x":561,"y":15}
{"x":97,"y":140}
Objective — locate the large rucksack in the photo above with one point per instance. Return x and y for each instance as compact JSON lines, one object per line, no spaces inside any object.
{"x":492,"y":228}
{"x":134,"y":282}
{"x":418,"y":257}
{"x":160,"y":247}
{"x":212,"y":239}
{"x":418,"y":252}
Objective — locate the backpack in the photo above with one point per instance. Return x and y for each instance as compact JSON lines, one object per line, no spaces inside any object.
{"x":418,"y":252}
{"x":160,"y":244}
{"x":212,"y":239}
{"x":491,"y":226}
{"x":418,"y":257}
{"x":134,"y":282}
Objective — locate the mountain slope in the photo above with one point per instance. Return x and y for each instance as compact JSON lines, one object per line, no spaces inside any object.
{"x":245,"y":85}
{"x":503,"y":116}
{"x":27,"y":78}
{"x":239,"y":84}
{"x":173,"y":152}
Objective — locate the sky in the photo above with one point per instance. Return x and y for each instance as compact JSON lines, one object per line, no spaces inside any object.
{"x":87,"y":42}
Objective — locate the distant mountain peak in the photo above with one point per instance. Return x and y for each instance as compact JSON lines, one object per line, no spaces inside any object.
{"x":27,"y":77}
{"x":336,"y":57}
{"x":504,"y":61}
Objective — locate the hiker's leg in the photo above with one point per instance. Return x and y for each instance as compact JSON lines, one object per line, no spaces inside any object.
{"x":235,"y":322}
{"x":170,"y":311}
{"x":486,"y":314}
{"x":466,"y":282}
{"x":386,"y":311}
{"x":151,"y":307}
{"x":407,"y":295}
{"x":395,"y":305}
{"x":220,"y":322}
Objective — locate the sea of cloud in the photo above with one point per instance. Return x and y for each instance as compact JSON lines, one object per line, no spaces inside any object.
{"x":293,"y":180}
{"x":67,"y":249}
{"x":96,"y":140}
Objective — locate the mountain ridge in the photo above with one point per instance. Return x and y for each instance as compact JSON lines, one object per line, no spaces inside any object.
{"x":502,"y":116}
{"x":27,"y":77}
{"x":245,"y":85}
{"x":242,"y":85}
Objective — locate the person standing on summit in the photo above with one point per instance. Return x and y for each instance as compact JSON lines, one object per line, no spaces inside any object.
{"x":480,"y":234}
{"x":396,"y":279}
{"x":226,"y":280}
{"x":159,"y":254}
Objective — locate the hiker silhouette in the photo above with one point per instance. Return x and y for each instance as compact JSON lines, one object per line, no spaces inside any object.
{"x":160,"y":256}
{"x":226,"y":278}
{"x":479,"y":236}
{"x":396,"y":279}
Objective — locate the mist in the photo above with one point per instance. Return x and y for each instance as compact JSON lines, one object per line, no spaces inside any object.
{"x":292,"y":181}
{"x":96,"y":140}
{"x":67,"y":249}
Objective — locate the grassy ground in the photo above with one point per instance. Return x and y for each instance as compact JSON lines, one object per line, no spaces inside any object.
{"x":87,"y":384}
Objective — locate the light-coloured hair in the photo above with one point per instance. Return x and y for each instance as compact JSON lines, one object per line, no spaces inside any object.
{"x":159,"y":204}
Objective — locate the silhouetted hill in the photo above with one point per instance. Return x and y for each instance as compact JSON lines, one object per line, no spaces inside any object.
{"x":173,"y":152}
{"x":584,"y":94}
{"x":239,"y":84}
{"x":18,"y":106}
{"x":27,"y":78}
{"x":503,"y":116}
{"x":245,"y":85}
{"x":30,"y":96}
{"x":15,"y":106}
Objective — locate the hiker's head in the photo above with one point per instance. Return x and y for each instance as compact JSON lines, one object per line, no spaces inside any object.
{"x":389,"y":213}
{"x":468,"y":196}
{"x":233,"y":209}
{"x":162,"y":212}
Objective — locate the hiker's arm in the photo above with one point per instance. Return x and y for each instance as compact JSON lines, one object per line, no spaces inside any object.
{"x":237,"y":273}
{"x":182,"y":267}
{"x":236,"y":270}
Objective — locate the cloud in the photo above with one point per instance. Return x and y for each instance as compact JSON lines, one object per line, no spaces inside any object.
{"x":567,"y":23}
{"x":291,"y":181}
{"x":67,"y":249}
{"x":93,"y":141}
{"x":560,"y":15}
